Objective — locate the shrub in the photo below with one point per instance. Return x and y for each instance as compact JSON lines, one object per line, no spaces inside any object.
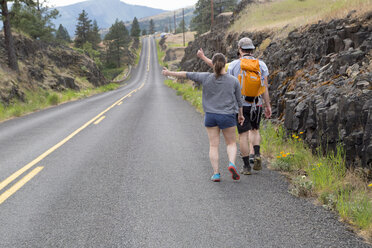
{"x":53,"y":99}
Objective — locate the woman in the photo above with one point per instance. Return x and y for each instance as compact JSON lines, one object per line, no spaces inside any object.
{"x":221,"y":97}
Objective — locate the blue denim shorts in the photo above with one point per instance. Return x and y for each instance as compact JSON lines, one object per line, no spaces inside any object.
{"x":221,"y":120}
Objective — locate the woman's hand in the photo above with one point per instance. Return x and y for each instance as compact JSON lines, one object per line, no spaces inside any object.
{"x":165,"y":71}
{"x":178,"y":74}
{"x":241,"y":119}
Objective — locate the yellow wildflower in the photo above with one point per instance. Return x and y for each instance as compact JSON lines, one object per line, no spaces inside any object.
{"x":281,"y":152}
{"x":293,"y":135}
{"x":287,"y":153}
{"x":299,"y":139}
{"x":370,"y":185}
{"x":301,"y":132}
{"x":278,"y":156}
{"x":284,"y":155}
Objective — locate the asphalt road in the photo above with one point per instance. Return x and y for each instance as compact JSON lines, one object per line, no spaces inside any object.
{"x":140,"y":178}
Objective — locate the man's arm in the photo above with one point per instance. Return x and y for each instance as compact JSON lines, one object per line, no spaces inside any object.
{"x":266,"y":98}
{"x":178,"y":74}
{"x":201,"y":55}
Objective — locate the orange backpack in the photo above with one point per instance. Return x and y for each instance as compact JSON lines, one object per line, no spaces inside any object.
{"x":250,"y":78}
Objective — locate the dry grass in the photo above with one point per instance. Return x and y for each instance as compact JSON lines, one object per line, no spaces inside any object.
{"x":294,"y":13}
{"x":176,"y":40}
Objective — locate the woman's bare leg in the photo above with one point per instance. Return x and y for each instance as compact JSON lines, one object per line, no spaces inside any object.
{"x":214,"y":141}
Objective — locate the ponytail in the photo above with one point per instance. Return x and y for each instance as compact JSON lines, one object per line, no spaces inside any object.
{"x":219,"y":62}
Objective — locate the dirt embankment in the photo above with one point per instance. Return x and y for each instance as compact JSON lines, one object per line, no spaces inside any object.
{"x":46,"y":66}
{"x":174,"y":48}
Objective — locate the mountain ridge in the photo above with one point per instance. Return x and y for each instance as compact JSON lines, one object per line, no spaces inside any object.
{"x":105,"y":12}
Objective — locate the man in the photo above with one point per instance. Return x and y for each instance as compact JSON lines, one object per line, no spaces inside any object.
{"x":249,"y":131}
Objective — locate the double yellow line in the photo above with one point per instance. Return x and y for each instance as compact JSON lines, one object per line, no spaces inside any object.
{"x":35,"y":171}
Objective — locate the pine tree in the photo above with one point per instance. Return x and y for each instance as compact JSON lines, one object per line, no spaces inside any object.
{"x":116,"y":40}
{"x":144,"y":32}
{"x":135,"y":30}
{"x":94,"y":36}
{"x":34,"y":19}
{"x":201,"y":22}
{"x":83,"y":29}
{"x":6,"y":18}
{"x":62,"y":34}
{"x":152,"y":27}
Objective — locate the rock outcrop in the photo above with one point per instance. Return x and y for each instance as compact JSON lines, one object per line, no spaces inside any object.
{"x":320,"y":81}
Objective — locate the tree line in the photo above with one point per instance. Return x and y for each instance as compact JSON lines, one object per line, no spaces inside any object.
{"x":34,"y":18}
{"x":202,"y":16}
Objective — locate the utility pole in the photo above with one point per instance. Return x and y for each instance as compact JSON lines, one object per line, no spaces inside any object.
{"x":212,"y":14}
{"x":175,"y":22}
{"x":183,"y":26}
{"x":169,"y":25}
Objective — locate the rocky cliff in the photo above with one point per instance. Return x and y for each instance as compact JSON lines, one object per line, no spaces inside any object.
{"x":320,"y":81}
{"x":47,"y":66}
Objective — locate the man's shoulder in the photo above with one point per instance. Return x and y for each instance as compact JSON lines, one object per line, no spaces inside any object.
{"x":234,"y":63}
{"x":262,"y":62}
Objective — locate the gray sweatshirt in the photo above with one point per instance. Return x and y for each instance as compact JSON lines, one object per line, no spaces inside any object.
{"x":220,"y":95}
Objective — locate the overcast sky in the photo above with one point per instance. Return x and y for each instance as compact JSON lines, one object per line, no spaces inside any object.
{"x":159,"y":4}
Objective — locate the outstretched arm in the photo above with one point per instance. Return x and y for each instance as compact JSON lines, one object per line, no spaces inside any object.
{"x":201,"y":55}
{"x":179,"y":74}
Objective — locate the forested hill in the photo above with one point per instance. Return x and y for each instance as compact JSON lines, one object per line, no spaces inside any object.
{"x":105,"y":12}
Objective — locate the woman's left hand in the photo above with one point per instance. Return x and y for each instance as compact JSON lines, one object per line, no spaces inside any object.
{"x":165,"y":71}
{"x":241,"y":119}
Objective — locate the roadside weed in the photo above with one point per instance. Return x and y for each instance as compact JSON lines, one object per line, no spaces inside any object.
{"x":302,"y":186}
{"x":53,"y":99}
{"x":316,"y":174}
{"x":356,"y":207}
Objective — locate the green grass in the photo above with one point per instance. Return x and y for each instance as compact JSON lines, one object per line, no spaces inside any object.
{"x":161,"y":55}
{"x":294,"y":13}
{"x":324,"y":177}
{"x":189,"y":93}
{"x":40,"y":99}
{"x":111,"y":73}
{"x":175,"y":45}
{"x":138,"y":54}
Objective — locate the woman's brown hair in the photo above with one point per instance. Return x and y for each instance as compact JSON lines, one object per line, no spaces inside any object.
{"x":219,"y":62}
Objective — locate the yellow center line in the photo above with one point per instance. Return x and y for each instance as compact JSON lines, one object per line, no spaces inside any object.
{"x":120,"y":103}
{"x":55,"y":147}
{"x":29,"y":176}
{"x":99,"y":120}
{"x":19,"y":184}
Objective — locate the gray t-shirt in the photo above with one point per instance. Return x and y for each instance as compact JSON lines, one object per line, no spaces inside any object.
{"x":220,"y":95}
{"x":234,"y":69}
